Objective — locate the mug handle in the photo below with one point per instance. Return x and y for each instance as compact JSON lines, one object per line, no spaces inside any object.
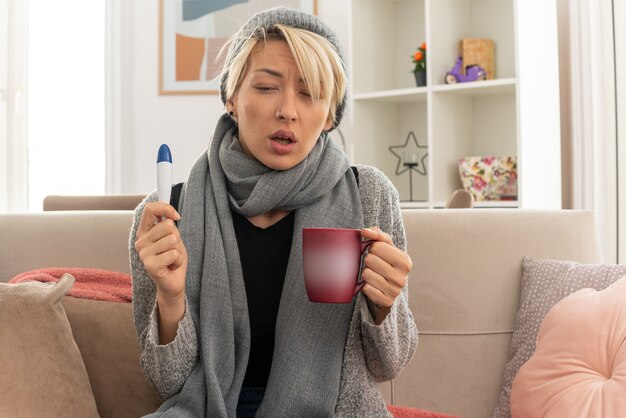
{"x":360,"y":282}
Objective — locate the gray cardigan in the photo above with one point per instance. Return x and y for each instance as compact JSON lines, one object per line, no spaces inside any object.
{"x":373,"y":353}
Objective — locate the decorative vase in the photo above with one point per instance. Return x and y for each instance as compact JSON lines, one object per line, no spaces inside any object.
{"x":420,"y":78}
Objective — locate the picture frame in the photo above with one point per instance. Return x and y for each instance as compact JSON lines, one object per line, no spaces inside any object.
{"x":192,"y":33}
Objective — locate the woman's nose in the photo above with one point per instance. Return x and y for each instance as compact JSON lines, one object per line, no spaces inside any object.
{"x":287,"y":110}
{"x":285,"y":115}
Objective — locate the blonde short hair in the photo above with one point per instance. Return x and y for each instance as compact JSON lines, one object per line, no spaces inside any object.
{"x":317,"y":59}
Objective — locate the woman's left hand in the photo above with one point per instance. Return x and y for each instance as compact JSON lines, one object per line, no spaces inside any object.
{"x":386,"y":271}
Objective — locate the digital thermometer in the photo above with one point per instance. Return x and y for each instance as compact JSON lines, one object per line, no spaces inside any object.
{"x":164,"y":174}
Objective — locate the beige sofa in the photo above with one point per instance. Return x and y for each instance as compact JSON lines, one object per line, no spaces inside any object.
{"x":464,"y":294}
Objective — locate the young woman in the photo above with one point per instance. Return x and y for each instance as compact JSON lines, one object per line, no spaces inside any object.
{"x":221,"y":310}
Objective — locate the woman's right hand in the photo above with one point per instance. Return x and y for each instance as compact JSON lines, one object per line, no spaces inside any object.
{"x":162,"y":251}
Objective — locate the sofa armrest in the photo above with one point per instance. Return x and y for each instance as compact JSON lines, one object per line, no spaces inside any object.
{"x":97,"y":239}
{"x":97,"y":202}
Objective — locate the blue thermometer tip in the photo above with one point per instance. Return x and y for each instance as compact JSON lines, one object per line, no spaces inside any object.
{"x":164,"y":154}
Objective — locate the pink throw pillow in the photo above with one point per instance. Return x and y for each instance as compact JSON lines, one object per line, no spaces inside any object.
{"x":579,"y":366}
{"x":91,"y":283}
{"x":407,"y":412}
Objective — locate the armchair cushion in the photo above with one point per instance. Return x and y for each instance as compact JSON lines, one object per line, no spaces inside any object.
{"x":119,"y":386}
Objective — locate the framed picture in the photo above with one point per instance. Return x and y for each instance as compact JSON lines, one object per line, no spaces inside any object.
{"x":192,"y":33}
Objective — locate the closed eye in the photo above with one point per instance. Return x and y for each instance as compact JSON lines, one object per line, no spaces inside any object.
{"x":265,"y":89}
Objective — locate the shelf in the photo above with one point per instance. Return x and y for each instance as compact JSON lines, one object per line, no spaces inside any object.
{"x":410,"y":95}
{"x":512,"y":204}
{"x":497,"y":204}
{"x":419,"y":94}
{"x":478,"y":88}
{"x":414,"y":205}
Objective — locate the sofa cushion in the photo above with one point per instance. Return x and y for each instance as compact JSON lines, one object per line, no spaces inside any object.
{"x":106,"y":337}
{"x":43,"y":373}
{"x":544,"y":283}
{"x":579,"y":366}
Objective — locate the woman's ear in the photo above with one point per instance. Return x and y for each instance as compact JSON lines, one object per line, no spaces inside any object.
{"x":329,"y":124}
{"x":231,"y":108}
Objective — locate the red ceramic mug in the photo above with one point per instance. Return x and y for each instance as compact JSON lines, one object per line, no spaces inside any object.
{"x":331,"y":258}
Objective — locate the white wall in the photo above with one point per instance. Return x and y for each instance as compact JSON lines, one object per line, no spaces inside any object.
{"x":184,"y":122}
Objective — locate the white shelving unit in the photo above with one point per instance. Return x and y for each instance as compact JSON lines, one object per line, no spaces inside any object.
{"x":514,"y":114}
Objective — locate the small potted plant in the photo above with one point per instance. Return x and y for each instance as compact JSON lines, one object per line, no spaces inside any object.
{"x":419,"y":59}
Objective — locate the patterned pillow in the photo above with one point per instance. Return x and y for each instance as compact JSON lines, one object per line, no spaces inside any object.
{"x":579,"y":366}
{"x":544,"y":283}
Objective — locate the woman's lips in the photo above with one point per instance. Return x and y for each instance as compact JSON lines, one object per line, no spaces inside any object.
{"x":282,"y":146}
{"x":283,"y":141}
